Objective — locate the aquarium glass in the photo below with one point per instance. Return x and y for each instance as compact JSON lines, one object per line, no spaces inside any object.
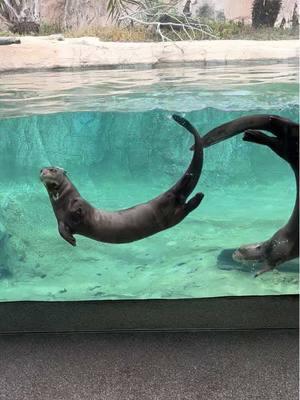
{"x":112,"y":131}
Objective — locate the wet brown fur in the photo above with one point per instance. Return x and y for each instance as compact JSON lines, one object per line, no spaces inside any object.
{"x":76,"y":216}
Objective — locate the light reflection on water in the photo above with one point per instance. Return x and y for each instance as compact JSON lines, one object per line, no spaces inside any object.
{"x":185,"y":88}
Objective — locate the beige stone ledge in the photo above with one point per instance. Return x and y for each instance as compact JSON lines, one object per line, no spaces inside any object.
{"x":49,"y":53}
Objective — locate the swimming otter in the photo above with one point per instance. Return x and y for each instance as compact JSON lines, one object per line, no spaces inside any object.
{"x":272,"y":123}
{"x":284,"y":244}
{"x":76,"y":216}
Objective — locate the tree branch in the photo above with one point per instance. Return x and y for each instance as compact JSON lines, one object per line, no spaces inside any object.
{"x":11,"y":9}
{"x":185,"y":27}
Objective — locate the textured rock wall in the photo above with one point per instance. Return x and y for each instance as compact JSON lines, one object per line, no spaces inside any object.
{"x":38,"y":52}
{"x":83,"y":13}
{"x":74,"y":13}
{"x":138,"y":145}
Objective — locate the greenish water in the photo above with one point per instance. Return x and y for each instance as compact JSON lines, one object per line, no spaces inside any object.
{"x":118,"y":159}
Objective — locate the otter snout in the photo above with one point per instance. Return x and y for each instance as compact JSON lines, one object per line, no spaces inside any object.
{"x":52,"y":175}
{"x":251,"y":252}
{"x":237,"y":255}
{"x":48,"y":175}
{"x":44,"y":172}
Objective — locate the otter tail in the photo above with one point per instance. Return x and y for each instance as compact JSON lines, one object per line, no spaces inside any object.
{"x":184,"y":187}
{"x":272,"y":123}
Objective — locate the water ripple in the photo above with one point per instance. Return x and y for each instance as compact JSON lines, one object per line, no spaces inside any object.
{"x":183,"y":88}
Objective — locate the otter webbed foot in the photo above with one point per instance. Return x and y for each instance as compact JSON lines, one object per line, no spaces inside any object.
{"x":66,"y":234}
{"x":193,"y":202}
{"x":259,"y":137}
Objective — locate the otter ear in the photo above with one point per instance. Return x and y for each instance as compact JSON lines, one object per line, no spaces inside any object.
{"x":62,"y":170}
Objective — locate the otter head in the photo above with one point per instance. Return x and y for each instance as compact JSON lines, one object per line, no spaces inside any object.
{"x":251,"y":252}
{"x":53,"y":178}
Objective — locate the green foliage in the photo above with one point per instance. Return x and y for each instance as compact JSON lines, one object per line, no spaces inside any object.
{"x":50,"y":29}
{"x":5,"y":33}
{"x":237,"y":30}
{"x":114,"y":34}
{"x":226,"y":30}
{"x":25,"y":28}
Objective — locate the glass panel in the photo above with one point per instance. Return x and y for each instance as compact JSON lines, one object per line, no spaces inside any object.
{"x":113,"y":132}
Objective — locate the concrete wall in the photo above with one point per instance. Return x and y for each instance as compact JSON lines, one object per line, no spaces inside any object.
{"x":74,"y":13}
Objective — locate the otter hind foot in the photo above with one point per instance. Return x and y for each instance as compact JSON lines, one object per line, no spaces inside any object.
{"x":255,"y":136}
{"x":193,"y":202}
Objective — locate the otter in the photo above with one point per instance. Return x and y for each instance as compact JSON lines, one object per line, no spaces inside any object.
{"x":284,"y":244}
{"x":76,"y":216}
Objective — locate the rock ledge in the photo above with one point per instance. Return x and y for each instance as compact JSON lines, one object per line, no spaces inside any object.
{"x":49,"y":52}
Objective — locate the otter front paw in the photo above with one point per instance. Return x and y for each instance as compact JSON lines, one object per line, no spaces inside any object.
{"x":66,"y":234}
{"x":259,"y":137}
{"x":265,"y":268}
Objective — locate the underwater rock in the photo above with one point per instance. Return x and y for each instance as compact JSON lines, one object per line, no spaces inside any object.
{"x":5,"y":272}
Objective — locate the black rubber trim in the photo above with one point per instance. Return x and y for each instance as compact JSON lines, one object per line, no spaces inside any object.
{"x":223,"y":313}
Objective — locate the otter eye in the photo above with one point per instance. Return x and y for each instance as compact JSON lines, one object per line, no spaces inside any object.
{"x":52,"y":169}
